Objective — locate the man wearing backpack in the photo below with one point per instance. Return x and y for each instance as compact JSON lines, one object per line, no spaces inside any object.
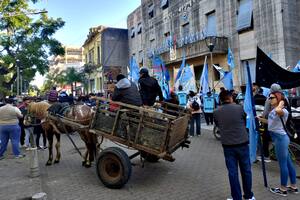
{"x":194,"y":104}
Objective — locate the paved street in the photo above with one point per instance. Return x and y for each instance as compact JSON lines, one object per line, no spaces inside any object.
{"x":198,"y":173}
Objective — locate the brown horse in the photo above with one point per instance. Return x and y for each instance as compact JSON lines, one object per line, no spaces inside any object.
{"x":81,"y":114}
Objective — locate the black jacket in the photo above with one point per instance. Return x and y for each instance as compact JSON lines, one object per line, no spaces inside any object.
{"x":127,"y":92}
{"x":149,"y":90}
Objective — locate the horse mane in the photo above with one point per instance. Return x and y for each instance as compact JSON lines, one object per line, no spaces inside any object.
{"x":39,"y":109}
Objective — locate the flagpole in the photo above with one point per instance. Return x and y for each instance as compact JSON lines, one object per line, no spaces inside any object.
{"x":257,"y":125}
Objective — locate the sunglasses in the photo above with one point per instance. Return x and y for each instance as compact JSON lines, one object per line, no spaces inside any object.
{"x":272,"y":97}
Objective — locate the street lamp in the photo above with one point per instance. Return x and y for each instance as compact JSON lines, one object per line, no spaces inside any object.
{"x":210,"y":42}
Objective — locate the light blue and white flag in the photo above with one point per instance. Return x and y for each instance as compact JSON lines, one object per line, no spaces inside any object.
{"x":134,"y":70}
{"x":204,"y":84}
{"x":226,"y":77}
{"x":230,"y":59}
{"x":228,"y":80}
{"x":249,"y":109}
{"x":162,"y":75}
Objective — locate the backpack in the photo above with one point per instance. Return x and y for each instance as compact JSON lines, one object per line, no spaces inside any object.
{"x":195,"y":105}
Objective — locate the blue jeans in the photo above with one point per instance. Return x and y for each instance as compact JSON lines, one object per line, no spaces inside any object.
{"x":236,"y":157}
{"x":286,"y":165}
{"x":13,"y":133}
{"x":195,"y":119}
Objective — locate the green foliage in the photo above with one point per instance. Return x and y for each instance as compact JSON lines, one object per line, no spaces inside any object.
{"x":26,"y":42}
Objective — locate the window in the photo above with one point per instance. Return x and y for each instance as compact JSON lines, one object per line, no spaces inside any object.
{"x":244,"y":20}
{"x":185,"y":29}
{"x":141,"y":58}
{"x":98,"y":55}
{"x":164,"y":4}
{"x":132,"y":33}
{"x":152,"y":44}
{"x":151,"y":11}
{"x":91,"y":56}
{"x":139,"y":28}
{"x":211,"y":28}
{"x":252,"y":66}
{"x":92,"y":85}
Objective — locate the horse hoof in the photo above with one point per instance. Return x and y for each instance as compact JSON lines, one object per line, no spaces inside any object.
{"x":83,"y":163}
{"x":48,"y":163}
{"x":88,"y":165}
{"x":56,"y":161}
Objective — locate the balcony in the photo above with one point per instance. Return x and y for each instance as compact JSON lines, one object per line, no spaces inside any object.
{"x":195,"y":49}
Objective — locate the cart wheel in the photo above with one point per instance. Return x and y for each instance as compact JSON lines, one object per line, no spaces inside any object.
{"x":216,"y":132}
{"x":149,"y":157}
{"x":113,"y":167}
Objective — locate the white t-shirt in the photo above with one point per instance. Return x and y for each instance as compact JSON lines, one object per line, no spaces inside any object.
{"x":9,"y":115}
{"x":274,"y":122}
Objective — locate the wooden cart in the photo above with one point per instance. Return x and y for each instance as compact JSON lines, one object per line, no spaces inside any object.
{"x":155,"y":133}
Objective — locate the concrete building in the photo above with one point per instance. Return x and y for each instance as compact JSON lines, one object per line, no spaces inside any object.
{"x":73,"y":58}
{"x":107,"y":49}
{"x":175,"y":28}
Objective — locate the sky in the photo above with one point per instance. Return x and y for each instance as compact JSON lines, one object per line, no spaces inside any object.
{"x":80,"y":15}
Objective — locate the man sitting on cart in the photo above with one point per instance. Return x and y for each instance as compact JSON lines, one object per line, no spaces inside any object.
{"x":126,"y":92}
{"x":149,"y":88}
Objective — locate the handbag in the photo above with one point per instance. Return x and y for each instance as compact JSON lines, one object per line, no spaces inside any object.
{"x":294,"y":134}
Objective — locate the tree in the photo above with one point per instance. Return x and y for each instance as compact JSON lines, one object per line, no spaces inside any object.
{"x":89,"y":69}
{"x":25,"y":41}
{"x":73,"y":76}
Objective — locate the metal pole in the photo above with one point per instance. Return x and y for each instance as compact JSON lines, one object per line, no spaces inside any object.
{"x":212,"y":71}
{"x":21,"y":84}
{"x":18,"y":79}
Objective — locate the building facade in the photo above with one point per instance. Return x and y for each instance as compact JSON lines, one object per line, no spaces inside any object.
{"x":107,"y":49}
{"x":73,"y":58}
{"x":182,"y":28}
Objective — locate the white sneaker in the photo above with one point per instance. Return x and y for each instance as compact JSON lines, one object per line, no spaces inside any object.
{"x":253,"y":198}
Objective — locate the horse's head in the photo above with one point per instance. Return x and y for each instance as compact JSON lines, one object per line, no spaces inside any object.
{"x":38,"y":110}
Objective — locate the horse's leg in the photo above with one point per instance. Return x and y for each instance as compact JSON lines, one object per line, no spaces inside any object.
{"x":50,"y":145}
{"x":82,"y":136}
{"x":91,"y":147}
{"x":57,"y":146}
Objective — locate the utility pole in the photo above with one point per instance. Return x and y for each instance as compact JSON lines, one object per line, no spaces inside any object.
{"x":21,"y":82}
{"x":18,"y":77}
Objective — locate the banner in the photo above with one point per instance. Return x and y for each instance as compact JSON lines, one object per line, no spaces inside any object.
{"x":268,"y":72}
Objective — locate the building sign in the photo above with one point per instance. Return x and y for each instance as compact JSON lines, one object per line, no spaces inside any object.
{"x":184,"y":40}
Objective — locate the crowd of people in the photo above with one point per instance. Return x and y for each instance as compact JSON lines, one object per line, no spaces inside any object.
{"x":224,"y":109}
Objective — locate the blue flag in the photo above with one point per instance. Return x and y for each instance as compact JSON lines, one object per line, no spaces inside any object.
{"x":133,"y":71}
{"x":297,"y":67}
{"x":180,"y":69}
{"x":162,"y":75}
{"x":249,"y":109}
{"x":228,"y":81}
{"x":230,"y":59}
{"x":204,"y":80}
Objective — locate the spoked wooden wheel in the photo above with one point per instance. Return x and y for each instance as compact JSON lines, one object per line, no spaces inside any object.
{"x":113,"y":167}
